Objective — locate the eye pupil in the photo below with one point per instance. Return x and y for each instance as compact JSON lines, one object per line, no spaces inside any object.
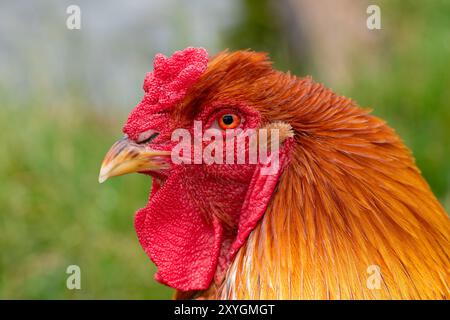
{"x":227,"y":119}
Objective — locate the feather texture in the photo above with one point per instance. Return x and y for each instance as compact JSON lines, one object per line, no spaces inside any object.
{"x":351,"y":197}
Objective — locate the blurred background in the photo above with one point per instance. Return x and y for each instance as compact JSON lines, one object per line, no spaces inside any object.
{"x":64,"y":95}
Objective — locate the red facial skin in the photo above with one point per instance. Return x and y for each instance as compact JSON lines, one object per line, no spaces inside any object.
{"x":195,"y":222}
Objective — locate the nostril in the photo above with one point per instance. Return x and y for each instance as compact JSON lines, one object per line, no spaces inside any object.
{"x":149,"y":139}
{"x":147,"y":136}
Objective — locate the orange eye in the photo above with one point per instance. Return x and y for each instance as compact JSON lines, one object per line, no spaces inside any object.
{"x":229,"y":121}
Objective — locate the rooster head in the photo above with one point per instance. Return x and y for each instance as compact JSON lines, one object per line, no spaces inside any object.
{"x":200,"y":212}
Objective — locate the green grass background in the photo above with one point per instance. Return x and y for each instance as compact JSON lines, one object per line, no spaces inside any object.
{"x":53,"y":212}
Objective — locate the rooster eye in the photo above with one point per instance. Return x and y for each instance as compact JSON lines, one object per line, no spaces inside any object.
{"x":229,"y":121}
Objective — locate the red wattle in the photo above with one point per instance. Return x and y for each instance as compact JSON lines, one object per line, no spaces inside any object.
{"x":178,"y":238}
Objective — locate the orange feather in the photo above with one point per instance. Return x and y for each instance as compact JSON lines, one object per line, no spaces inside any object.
{"x":351,"y":197}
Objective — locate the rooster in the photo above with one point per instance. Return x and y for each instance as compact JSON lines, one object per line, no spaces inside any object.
{"x":345,"y":215}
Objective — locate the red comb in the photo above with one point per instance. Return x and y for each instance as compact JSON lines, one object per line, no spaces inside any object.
{"x":167,"y":84}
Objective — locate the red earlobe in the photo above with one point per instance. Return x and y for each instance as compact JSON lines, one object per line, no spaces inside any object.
{"x":259,"y":193}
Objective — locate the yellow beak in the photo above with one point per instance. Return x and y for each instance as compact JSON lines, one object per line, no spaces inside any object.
{"x":126,"y":156}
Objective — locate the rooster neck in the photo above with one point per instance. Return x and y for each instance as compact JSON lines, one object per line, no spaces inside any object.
{"x":313,"y":249}
{"x":347,"y":209}
{"x":350,"y":208}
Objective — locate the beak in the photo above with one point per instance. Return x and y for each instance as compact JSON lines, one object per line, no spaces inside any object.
{"x":126,"y":156}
